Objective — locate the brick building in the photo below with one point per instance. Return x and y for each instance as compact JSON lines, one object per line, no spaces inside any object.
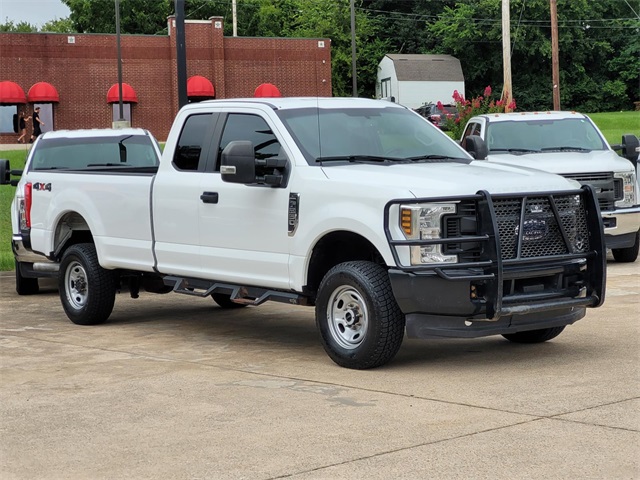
{"x":79,"y":70}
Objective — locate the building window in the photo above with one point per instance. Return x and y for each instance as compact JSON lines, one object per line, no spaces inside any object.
{"x":46,"y":115}
{"x":385,"y":87}
{"x":8,"y":115}
{"x":126,"y":112}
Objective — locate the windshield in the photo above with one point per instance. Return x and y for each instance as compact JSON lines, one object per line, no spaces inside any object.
{"x":368,"y":134}
{"x":123,"y":151}
{"x":543,"y":135}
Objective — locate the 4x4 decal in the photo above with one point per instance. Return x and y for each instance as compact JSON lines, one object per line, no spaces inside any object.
{"x":42,"y":186}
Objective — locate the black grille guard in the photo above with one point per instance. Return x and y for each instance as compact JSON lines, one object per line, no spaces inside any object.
{"x":490,"y":266}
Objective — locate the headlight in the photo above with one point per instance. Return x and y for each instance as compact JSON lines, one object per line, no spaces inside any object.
{"x":423,"y":222}
{"x":629,"y":194}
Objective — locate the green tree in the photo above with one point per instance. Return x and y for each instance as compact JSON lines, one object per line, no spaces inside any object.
{"x":597,"y":43}
{"x":20,"y":27}
{"x":332,"y":19}
{"x":62,"y":25}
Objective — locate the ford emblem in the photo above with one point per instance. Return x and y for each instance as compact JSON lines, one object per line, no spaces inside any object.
{"x":534,"y":229}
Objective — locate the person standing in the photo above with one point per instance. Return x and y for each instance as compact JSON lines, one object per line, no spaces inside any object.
{"x":37,"y":130}
{"x":23,"y":127}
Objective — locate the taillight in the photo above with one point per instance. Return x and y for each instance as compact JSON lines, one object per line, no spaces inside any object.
{"x":25,"y":210}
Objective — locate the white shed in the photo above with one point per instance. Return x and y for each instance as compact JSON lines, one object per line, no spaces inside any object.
{"x":413,"y":80}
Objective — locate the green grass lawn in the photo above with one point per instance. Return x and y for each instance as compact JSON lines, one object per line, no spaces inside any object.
{"x":613,"y":126}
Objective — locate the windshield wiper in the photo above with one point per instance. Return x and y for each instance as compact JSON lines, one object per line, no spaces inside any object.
{"x":437,"y":158}
{"x":357,"y":158}
{"x":566,"y":149}
{"x":515,"y":150}
{"x":107,"y":165}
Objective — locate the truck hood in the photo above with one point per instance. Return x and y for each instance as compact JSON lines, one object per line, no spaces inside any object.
{"x":567,"y":162}
{"x":446,"y":179}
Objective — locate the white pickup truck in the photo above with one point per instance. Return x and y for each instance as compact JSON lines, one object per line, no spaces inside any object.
{"x":571,"y":145}
{"x":125,"y":151}
{"x":359,"y":207}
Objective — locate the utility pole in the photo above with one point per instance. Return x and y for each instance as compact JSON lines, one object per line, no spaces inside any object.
{"x":234,"y":16}
{"x":181,"y":54}
{"x":507,"y":95}
{"x":121,"y":108}
{"x":354,"y":73}
{"x":555,"y":63}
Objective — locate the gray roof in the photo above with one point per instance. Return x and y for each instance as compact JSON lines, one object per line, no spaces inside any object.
{"x":427,"y":68}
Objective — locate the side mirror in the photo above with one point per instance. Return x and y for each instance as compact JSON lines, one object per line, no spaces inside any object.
{"x":630,"y":148}
{"x":476,"y":146}
{"x":238,"y":163}
{"x":5,"y":172}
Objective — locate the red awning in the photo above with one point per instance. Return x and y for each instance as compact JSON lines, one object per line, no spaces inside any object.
{"x":11,"y":93}
{"x":267,"y":90}
{"x":128,"y":94}
{"x":198,"y":86}
{"x":43,"y":92}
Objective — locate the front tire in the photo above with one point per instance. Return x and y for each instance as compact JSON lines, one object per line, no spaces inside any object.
{"x":534,"y":336}
{"x":360,"y":323}
{"x":87,"y":291}
{"x":25,"y":285}
{"x":629,"y":254}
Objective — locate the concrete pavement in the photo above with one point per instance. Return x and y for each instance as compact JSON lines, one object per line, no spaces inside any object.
{"x":175,"y":387}
{"x":14,"y":146}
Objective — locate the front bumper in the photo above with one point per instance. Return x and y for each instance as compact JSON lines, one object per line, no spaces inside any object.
{"x":540,"y":296}
{"x":621,"y":226}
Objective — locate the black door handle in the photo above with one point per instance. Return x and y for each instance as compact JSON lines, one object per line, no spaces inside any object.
{"x":209,"y":197}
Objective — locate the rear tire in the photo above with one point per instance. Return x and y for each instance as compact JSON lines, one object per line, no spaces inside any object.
{"x":534,"y":336}
{"x":87,"y":291}
{"x":224,"y":301}
{"x":25,"y":285}
{"x":360,"y":323}
{"x":629,"y":254}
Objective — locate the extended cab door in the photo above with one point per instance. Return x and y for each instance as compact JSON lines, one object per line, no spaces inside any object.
{"x":244,"y":228}
{"x":176,"y":198}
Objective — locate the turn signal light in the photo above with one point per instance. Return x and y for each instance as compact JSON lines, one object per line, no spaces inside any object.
{"x":405,"y":221}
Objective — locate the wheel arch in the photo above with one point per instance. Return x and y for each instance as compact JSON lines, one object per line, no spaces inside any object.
{"x":71,"y":228}
{"x":334,"y":248}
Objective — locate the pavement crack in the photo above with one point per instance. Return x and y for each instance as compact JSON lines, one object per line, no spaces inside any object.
{"x":402,"y":449}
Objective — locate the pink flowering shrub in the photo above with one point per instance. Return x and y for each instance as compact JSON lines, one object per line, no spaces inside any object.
{"x":469,"y":108}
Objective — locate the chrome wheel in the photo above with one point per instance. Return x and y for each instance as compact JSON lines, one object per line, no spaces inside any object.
{"x":76,"y":287}
{"x":347,"y":317}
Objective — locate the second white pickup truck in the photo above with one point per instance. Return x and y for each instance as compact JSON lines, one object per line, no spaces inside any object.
{"x":571,"y":145}
{"x":359,"y":207}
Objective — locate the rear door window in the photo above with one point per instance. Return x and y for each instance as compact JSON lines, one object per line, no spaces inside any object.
{"x":193,"y":144}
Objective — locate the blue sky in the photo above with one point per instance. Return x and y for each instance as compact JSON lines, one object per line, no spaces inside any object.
{"x":36,"y":12}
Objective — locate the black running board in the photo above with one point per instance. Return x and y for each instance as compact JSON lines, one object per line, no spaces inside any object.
{"x":237,"y":293}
